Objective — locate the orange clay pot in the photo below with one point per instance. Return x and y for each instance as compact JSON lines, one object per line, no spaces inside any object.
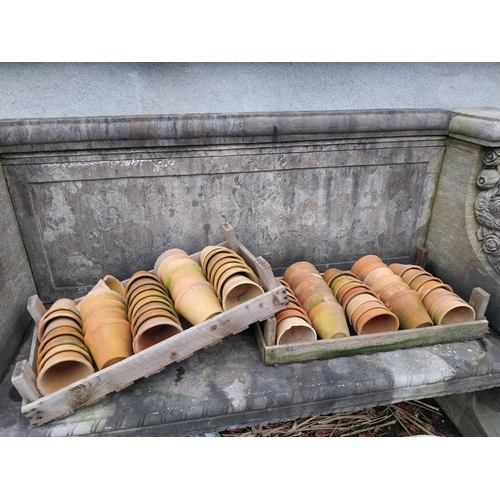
{"x":365,"y":261}
{"x":376,"y":321}
{"x":153,"y":331}
{"x":408,"y":307}
{"x":454,"y":312}
{"x":329,"y":320}
{"x":294,"y":330}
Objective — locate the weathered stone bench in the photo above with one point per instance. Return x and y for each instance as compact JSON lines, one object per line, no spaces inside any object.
{"x":86,"y":197}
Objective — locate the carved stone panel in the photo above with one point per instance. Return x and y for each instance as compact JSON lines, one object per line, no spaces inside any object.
{"x":330,"y":202}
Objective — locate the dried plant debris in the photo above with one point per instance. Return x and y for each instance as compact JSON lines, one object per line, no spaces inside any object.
{"x":411,"y":418}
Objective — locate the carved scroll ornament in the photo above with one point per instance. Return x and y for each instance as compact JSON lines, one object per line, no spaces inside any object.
{"x":487,"y":207}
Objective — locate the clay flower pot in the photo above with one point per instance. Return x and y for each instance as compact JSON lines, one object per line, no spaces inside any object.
{"x":409,"y":275}
{"x":45,"y":356}
{"x":346,"y":295}
{"x":140,"y":275}
{"x":359,"y":300}
{"x":220,"y":282}
{"x":337,"y":284}
{"x":308,"y":284}
{"x":239,"y":289}
{"x":110,"y":342}
{"x":364,"y":262}
{"x":418,"y":281}
{"x":434,"y":294}
{"x":388,"y":291}
{"x":362,"y":308}
{"x":378,"y":272}
{"x":330,"y":274}
{"x":62,"y":370}
{"x":409,"y":309}
{"x":114,"y":284}
{"x":153,"y":331}
{"x":376,"y":321}
{"x":165,"y":255}
{"x":60,"y":323}
{"x":144,"y":284}
{"x":399,"y":269}
{"x":430,"y":285}
{"x":318,"y":297}
{"x":210,"y":251}
{"x":51,"y":316}
{"x":439,"y":301}
{"x":292,"y":313}
{"x":329,"y":320}
{"x":383,"y":281}
{"x":297,"y":270}
{"x":454,"y":312}
{"x":294,"y":330}
{"x":198,"y":303}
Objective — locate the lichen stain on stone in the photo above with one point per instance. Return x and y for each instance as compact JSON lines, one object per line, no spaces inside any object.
{"x":310,"y":205}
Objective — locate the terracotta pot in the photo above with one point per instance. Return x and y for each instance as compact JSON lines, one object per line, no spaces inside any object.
{"x":61,"y":313}
{"x":388,"y":291}
{"x":292,"y":313}
{"x":165,"y":255}
{"x":439,"y":301}
{"x":45,"y":357}
{"x":353,"y":292}
{"x":59,"y":340}
{"x":379,"y":284}
{"x":59,"y":323}
{"x":60,"y":331}
{"x":362,"y":308}
{"x":153,"y":313}
{"x":358,"y":300}
{"x":434,"y":294}
{"x":330,"y":274}
{"x":408,"y":307}
{"x":399,"y":269}
{"x":103,"y":315}
{"x":153,"y":331}
{"x":297,"y":270}
{"x":114,"y":284}
{"x":144,"y":284}
{"x":308,"y":284}
{"x":318,"y":297}
{"x":179,"y":267}
{"x":409,"y":275}
{"x":210,"y":251}
{"x":376,"y":321}
{"x":350,"y":285}
{"x":365,"y":261}
{"x":287,"y":286}
{"x":62,"y":370}
{"x":329,"y":320}
{"x":427,"y":287}
{"x":93,"y":298}
{"x":341,"y":281}
{"x":198,"y":303}
{"x":294,"y":330}
{"x":235,"y":271}
{"x":454,"y":312}
{"x":219,"y":260}
{"x":105,"y":305}
{"x":110,"y":343}
{"x":378,"y":272}
{"x":139,"y":275}
{"x":368,"y":269}
{"x":62,"y":305}
{"x":238,"y":289}
{"x":418,"y":281}
{"x":182,"y":281}
{"x":151,"y":299}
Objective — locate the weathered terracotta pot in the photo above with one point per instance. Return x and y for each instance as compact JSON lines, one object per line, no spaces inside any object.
{"x":318,"y":297}
{"x":294,"y":330}
{"x":454,"y":312}
{"x":383,"y":281}
{"x":52,"y":316}
{"x":408,"y":307}
{"x":427,"y":287}
{"x":307,"y":285}
{"x":165,"y":255}
{"x":365,"y":261}
{"x":57,"y":323}
{"x":62,"y":370}
{"x":143,"y":315}
{"x":376,"y":321}
{"x":362,"y":308}
{"x":238,"y":289}
{"x":114,"y":284}
{"x":220,"y":259}
{"x":45,"y":357}
{"x":409,"y":275}
{"x":60,"y":331}
{"x":388,"y":291}
{"x":182,"y":281}
{"x":153,"y":331}
{"x":330,"y":274}
{"x":294,"y":272}
{"x":210,"y":251}
{"x":144,"y":284}
{"x":329,"y":320}
{"x":378,"y":272}
{"x":132,"y":310}
{"x":110,"y":342}
{"x":358,"y":300}
{"x":60,"y":340}
{"x":139,"y":275}
{"x":338,"y":284}
{"x":434,"y":294}
{"x":346,"y":296}
{"x":399,"y":269}
{"x":418,"y":281}
{"x":221,"y":281}
{"x":198,"y":303}
{"x":368,"y":269}
{"x":292,"y":313}
{"x":439,"y":301}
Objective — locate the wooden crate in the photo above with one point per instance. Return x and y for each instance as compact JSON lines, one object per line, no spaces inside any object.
{"x":39,"y":410}
{"x":273,"y":354}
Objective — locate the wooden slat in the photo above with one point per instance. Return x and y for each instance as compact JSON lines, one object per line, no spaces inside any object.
{"x":232,"y":240}
{"x":420,"y":257}
{"x":36,"y":308}
{"x":152,"y":360}
{"x":24,"y":380}
{"x":479,"y":300}
{"x":364,"y":344}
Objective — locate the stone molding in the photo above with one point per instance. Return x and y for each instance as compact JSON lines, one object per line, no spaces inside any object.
{"x":63,"y":134}
{"x":480,"y":126}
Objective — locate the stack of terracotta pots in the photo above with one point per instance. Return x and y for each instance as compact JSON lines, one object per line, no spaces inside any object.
{"x":106,"y":327}
{"x":397,"y":296}
{"x":232,"y":278}
{"x":292,"y":323}
{"x":62,"y":356}
{"x":326,"y":314}
{"x":365,"y":311}
{"x":193,"y":295}
{"x":150,"y":311}
{"x":444,"y":306}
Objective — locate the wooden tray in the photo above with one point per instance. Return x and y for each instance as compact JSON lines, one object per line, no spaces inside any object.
{"x":39,"y":410}
{"x":273,"y":354}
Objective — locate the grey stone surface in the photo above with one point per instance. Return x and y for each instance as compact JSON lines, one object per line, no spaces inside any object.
{"x":227,"y":385}
{"x":91,"y":213}
{"x":43,"y":90}
{"x":455,"y":252}
{"x":16,"y":280}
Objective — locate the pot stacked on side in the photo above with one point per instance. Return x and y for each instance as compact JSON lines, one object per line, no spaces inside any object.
{"x":62,"y":356}
{"x":193,"y":295}
{"x":150,"y":311}
{"x":326,"y":314}
{"x":397,"y":296}
{"x":444,"y":306}
{"x":292,"y":323}
{"x":232,"y":278}
{"x":106,"y":327}
{"x":365,"y":311}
